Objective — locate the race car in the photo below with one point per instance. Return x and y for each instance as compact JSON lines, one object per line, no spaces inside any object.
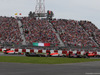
{"x":55,"y":55}
{"x":33,"y":54}
{"x":74,"y":55}
{"x":91,"y":54}
{"x":11,"y":52}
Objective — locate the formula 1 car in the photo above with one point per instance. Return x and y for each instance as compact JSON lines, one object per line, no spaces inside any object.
{"x":55,"y":55}
{"x":74,"y":55}
{"x":34,"y":54}
{"x":11,"y":52}
{"x":90,"y":54}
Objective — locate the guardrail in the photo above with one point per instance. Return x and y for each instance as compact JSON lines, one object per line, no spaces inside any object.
{"x":51,"y":51}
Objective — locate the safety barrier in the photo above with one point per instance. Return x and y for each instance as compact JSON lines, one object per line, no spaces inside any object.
{"x":51,"y":51}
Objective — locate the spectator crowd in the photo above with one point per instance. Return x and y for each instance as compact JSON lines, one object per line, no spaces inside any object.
{"x":71,"y":32}
{"x":9,"y":30}
{"x":92,"y":30}
{"x":39,"y":31}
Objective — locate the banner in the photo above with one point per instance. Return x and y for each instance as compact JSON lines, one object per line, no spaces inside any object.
{"x":41,"y":44}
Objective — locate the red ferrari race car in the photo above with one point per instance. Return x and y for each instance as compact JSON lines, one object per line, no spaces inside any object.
{"x":11,"y":52}
{"x":91,"y":54}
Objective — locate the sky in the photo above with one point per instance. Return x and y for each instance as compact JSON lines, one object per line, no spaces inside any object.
{"x":64,"y":9}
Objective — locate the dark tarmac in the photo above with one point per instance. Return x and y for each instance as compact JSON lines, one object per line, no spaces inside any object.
{"x":88,"y":68}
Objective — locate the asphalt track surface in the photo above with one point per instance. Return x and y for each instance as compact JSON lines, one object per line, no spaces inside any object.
{"x":88,"y":68}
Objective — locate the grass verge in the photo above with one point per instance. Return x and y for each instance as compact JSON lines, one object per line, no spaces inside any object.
{"x":44,"y":60}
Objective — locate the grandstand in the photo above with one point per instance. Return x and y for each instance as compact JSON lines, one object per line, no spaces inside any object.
{"x":57,"y":32}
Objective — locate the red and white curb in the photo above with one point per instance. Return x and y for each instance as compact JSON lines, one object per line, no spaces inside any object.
{"x":51,"y":51}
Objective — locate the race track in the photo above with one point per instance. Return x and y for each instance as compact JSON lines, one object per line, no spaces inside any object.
{"x":87,"y":68}
{"x":90,"y":68}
